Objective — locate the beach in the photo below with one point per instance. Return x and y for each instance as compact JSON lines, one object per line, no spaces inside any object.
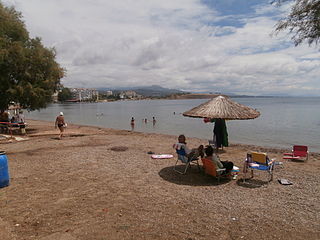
{"x":99,"y":183}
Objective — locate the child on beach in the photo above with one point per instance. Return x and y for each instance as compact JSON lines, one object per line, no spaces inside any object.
{"x":190,"y":154}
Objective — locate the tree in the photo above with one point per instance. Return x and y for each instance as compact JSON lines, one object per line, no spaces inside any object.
{"x":64,"y":95}
{"x":303,"y":21}
{"x":29,"y":74}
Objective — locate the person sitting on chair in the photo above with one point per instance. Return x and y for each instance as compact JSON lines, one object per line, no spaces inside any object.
{"x":190,"y":154}
{"x":4,"y":118}
{"x":216,"y":160}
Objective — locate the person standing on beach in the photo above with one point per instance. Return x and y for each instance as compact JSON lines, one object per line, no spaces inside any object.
{"x":60,"y":124}
{"x":20,"y":119}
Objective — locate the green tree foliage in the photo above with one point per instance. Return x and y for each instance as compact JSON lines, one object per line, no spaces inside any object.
{"x":64,"y":94}
{"x":303,"y":21}
{"x":29,"y":74}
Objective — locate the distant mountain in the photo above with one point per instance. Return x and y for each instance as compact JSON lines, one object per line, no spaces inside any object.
{"x":149,"y":91}
{"x":155,"y":91}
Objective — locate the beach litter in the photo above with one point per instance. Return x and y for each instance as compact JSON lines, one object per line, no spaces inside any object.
{"x":284,"y":181}
{"x":235,"y":172}
{"x":21,"y":138}
{"x":119,"y":148}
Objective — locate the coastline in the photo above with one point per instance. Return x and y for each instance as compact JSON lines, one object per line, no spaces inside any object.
{"x":252,"y":147}
{"x":100,"y":183}
{"x":263,"y":131}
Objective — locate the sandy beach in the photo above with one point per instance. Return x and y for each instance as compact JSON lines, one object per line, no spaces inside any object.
{"x":100,"y":183}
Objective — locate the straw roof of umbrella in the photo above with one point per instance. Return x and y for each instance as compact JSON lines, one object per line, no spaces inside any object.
{"x":222,"y":107}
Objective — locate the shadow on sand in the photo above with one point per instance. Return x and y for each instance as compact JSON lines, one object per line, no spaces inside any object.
{"x":31,"y":130}
{"x":251,"y":183}
{"x":55,"y":138}
{"x":193,"y":177}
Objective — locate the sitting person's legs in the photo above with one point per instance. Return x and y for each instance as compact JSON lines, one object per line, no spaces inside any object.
{"x":227,"y":165}
{"x":195,"y":153}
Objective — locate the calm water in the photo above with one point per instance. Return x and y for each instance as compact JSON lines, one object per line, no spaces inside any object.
{"x":283,"y":121}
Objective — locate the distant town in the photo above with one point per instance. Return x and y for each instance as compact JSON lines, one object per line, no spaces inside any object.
{"x":139,"y":93}
{"x":103,"y":95}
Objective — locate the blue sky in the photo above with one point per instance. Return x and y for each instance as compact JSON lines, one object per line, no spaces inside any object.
{"x":233,"y":7}
{"x":192,"y":45}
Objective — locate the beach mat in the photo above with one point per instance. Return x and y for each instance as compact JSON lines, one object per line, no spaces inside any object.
{"x":161,"y":156}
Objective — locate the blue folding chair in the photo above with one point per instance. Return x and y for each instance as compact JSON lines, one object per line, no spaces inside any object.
{"x":182,"y":156}
{"x":259,"y":161}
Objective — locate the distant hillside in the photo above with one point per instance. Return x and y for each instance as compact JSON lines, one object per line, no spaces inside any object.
{"x":156,"y":91}
{"x":149,"y":91}
{"x":195,"y":96}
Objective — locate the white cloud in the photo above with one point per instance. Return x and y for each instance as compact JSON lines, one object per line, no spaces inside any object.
{"x":125,"y":43}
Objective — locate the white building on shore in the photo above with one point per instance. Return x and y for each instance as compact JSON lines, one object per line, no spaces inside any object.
{"x":84,"y":94}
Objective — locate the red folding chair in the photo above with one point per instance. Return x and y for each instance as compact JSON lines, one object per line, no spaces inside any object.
{"x":299,"y":152}
{"x":210,"y":169}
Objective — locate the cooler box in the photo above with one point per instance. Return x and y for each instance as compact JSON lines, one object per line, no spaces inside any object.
{"x":4,"y":173}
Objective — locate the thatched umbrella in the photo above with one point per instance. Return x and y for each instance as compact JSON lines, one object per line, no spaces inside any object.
{"x":224,"y":108}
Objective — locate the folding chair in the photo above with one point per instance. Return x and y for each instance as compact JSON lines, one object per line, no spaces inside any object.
{"x":259,"y":161}
{"x":210,"y":169}
{"x":182,"y":156}
{"x":299,"y":152}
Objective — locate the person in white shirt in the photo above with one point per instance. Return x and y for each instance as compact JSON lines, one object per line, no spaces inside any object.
{"x":20,"y":119}
{"x":189,"y":154}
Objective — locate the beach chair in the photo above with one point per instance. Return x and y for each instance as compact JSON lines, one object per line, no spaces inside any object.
{"x":182,"y":157}
{"x":259,"y":161}
{"x":299,"y":152}
{"x":210,"y":169}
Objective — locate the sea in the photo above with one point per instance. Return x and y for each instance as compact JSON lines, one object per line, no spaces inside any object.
{"x":284,"y":121}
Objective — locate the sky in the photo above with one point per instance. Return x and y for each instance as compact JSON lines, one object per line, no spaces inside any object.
{"x":224,"y":46}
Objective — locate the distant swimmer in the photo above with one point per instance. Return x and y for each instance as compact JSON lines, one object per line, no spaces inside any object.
{"x":145,"y":120}
{"x":154,"y":121}
{"x":132,"y":123}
